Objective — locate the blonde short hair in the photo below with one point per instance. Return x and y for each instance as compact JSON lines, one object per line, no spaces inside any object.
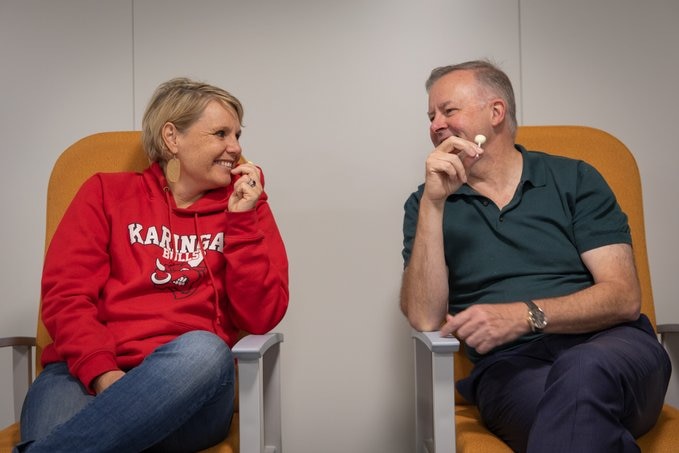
{"x":180,"y":101}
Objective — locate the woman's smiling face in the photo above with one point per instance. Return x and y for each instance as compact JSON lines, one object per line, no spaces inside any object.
{"x":207,"y":151}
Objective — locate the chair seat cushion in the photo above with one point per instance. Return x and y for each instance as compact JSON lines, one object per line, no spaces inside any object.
{"x":473,"y":437}
{"x":664,"y":437}
{"x":9,"y":437}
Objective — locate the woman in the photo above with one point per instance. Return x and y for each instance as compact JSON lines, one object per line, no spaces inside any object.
{"x":147,"y":282}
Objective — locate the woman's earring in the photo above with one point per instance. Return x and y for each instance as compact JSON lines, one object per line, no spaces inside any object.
{"x":173,"y":169}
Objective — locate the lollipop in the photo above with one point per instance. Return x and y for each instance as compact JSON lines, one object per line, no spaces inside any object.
{"x":480,"y":140}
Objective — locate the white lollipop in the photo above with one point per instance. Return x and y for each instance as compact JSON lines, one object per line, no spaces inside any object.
{"x":480,"y":140}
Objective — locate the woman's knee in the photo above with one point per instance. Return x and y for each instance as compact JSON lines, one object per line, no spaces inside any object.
{"x":204,"y":344}
{"x":205,"y":352}
{"x":53,"y":398}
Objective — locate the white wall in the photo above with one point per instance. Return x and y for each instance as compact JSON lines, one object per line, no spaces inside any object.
{"x":336,"y":116}
{"x":613,"y":64}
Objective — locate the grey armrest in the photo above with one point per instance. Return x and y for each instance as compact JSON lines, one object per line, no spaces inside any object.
{"x":434,"y":392}
{"x":259,"y":393}
{"x":667,"y":328}
{"x":436,"y":343}
{"x":669,"y":337}
{"x":22,"y":368}
{"x":255,"y":346}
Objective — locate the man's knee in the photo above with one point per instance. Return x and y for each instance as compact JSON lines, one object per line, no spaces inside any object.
{"x":629,"y":354}
{"x":582,"y":369}
{"x":628,"y":372}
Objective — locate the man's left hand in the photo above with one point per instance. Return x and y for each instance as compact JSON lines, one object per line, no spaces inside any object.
{"x":487,"y":326}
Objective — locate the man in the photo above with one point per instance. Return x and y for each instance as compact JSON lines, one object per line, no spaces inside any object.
{"x":527,"y":259}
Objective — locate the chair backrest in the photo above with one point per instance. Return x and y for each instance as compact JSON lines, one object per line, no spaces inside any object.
{"x":617,"y":165}
{"x":102,"y":152}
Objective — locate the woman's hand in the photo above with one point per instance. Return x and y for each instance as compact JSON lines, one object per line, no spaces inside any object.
{"x":105,"y":380}
{"x":247,"y":189}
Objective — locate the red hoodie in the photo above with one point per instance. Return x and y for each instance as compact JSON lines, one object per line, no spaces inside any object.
{"x":128,"y":271}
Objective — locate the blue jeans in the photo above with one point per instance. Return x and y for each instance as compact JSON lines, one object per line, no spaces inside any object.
{"x":179,"y":399}
{"x":574,"y":393}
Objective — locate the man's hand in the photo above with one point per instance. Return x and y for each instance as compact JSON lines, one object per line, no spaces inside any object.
{"x":487,"y":326}
{"x":447,"y":167}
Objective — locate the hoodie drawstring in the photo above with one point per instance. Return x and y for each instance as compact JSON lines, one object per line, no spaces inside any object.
{"x":203,"y":253}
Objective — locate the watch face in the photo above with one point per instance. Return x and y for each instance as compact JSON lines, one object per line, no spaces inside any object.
{"x":539,"y":320}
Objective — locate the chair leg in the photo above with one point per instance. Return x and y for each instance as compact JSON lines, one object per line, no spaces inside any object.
{"x":22,"y":361}
{"x":669,"y":336}
{"x":22,"y":368}
{"x":259,"y":393}
{"x":272,"y":401}
{"x":434,"y":393}
{"x":424,"y":426}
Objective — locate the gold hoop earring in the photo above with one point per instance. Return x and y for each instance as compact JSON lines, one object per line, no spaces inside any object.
{"x":173,"y":169}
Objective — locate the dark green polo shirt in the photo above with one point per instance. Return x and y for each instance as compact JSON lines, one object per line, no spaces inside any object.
{"x":531,"y":248}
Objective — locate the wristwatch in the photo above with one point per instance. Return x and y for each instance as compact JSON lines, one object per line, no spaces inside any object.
{"x":536,"y":317}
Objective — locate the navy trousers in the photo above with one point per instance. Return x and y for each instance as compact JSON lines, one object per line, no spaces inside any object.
{"x":574,"y":393}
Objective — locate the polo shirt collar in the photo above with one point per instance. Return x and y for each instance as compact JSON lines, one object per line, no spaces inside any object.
{"x":533,"y":172}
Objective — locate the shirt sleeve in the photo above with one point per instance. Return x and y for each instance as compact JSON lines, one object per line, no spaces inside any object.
{"x":256,"y":269}
{"x":598,"y":220}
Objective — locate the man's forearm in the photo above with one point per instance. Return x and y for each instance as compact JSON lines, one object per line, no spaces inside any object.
{"x":614,"y":298}
{"x":424,"y":290}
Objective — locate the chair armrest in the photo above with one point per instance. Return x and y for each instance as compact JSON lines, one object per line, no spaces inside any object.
{"x":669,"y":337}
{"x":667,"y":328}
{"x":17,"y":341}
{"x":434,"y":392}
{"x":255,"y":346}
{"x":22,"y":368}
{"x":259,"y":393}
{"x":436,"y":343}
